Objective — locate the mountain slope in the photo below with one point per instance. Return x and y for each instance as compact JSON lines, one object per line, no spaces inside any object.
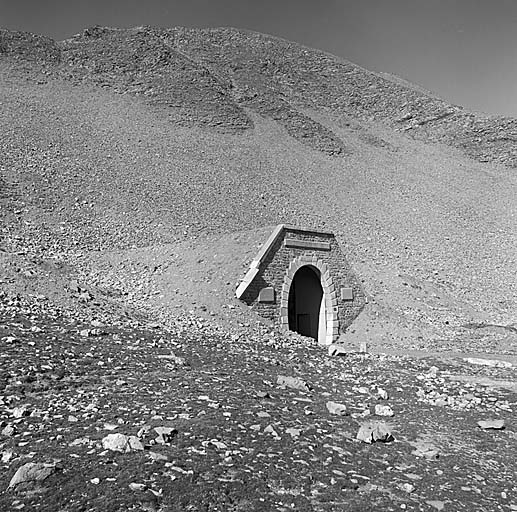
{"x":318,"y":80}
{"x":121,"y":139}
{"x":212,"y":74}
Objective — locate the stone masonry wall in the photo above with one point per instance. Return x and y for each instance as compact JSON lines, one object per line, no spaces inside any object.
{"x":273,"y":271}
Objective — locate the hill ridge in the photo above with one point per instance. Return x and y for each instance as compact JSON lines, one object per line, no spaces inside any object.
{"x":236,"y":70}
{"x":407,"y":109}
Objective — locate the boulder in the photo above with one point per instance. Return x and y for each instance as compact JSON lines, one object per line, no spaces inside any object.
{"x":336,"y":408}
{"x":491,"y":424}
{"x":383,"y":410}
{"x":293,"y":383}
{"x":32,"y":472}
{"x":374,"y":431}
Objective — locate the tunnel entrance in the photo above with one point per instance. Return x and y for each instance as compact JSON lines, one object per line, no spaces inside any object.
{"x":300,"y":280}
{"x":306,"y":305}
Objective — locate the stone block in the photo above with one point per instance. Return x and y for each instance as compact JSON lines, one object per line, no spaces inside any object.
{"x":307,"y":244}
{"x":347,"y":294}
{"x":267,"y":294}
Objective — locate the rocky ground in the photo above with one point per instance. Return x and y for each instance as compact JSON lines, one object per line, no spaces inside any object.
{"x":127,"y":416}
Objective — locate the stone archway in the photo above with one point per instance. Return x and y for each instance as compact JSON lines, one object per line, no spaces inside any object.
{"x":306,"y":307}
{"x":328,"y":329}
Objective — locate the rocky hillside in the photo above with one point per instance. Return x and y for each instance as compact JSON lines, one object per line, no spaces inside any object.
{"x":306,"y":78}
{"x":131,"y":142}
{"x":214,"y":76}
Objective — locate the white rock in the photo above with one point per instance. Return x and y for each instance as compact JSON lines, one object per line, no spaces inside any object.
{"x":137,"y":487}
{"x":116,"y":443}
{"x":437,"y":504}
{"x":270,"y":430}
{"x":293,"y":432}
{"x":32,"y":472}
{"x":144,"y":431}
{"x":214,"y":442}
{"x":382,"y":394}
{"x":80,"y":441}
{"x":135,"y":444}
{"x":383,"y":410}
{"x":158,"y":456}
{"x":336,"y":350}
{"x":9,"y":431}
{"x":409,"y":488}
{"x":373,"y":431}
{"x":20,"y":412}
{"x":433,"y":371}
{"x":491,"y":424}
{"x":336,"y":408}
{"x":293,"y":383}
{"x":7,"y":455}
{"x":165,"y":434}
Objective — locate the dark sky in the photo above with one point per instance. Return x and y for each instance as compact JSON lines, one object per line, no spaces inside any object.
{"x":463,"y":50}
